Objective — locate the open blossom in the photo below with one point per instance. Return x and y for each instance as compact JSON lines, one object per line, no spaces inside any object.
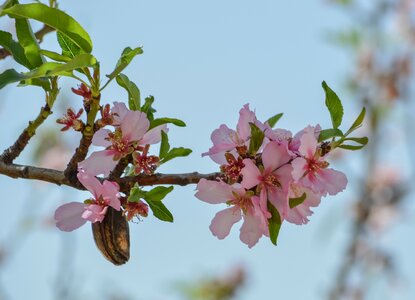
{"x":242,"y":205}
{"x":273,"y":179}
{"x":71,"y":216}
{"x":131,"y":133}
{"x":311,"y":168}
{"x":300,"y":213}
{"x":228,"y":140}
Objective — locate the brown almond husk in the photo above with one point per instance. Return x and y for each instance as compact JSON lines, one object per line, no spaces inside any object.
{"x":112,"y":237}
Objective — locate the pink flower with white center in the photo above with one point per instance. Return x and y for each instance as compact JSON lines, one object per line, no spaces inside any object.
{"x":71,"y":216}
{"x":242,"y":205}
{"x":132,"y":132}
{"x":310,"y":170}
{"x":273,"y":179}
{"x":228,"y":140}
{"x":300,"y":213}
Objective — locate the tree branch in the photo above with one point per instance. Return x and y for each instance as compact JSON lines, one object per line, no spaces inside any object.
{"x":58,"y":177}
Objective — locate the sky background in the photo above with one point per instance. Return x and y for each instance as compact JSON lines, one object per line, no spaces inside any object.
{"x":202,"y":61}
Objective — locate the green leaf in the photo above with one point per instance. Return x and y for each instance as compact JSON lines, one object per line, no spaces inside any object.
{"x":136,"y":194}
{"x":148,"y":109}
{"x":257,"y":137}
{"x":351,"y":147}
{"x":161,"y":121}
{"x":362,"y":140}
{"x":358,"y":122}
{"x":126,"y":57}
{"x":28,"y":41}
{"x":41,"y":82}
{"x":132,"y":89}
{"x":54,"y":56}
{"x":297,"y":201}
{"x":164,"y":146}
{"x":273,"y":120}
{"x":55,"y":18}
{"x":329,"y":133}
{"x":176,"y":152}
{"x":158,"y":193}
{"x":334,"y":106}
{"x":48,"y":69}
{"x":15,"y":49}
{"x":274,"y":223}
{"x":69,"y":48}
{"x":160,"y":211}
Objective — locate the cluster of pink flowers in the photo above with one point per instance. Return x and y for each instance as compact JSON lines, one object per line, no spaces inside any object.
{"x":131,"y":134}
{"x":288,"y":172}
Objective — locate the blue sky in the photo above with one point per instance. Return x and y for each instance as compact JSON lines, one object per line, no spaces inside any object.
{"x":203,"y":60}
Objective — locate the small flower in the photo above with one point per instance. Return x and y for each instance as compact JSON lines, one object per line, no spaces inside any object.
{"x":311,"y":168}
{"x":232,"y":170}
{"x":71,"y":216}
{"x":242,"y":205}
{"x":135,"y":209}
{"x":144,"y":162}
{"x":106,"y":116}
{"x":71,"y":120}
{"x":273,"y":179}
{"x":83,"y":91}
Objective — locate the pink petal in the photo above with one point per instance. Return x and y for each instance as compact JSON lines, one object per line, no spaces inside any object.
{"x":134,"y":125}
{"x":110,"y":193}
{"x":300,"y":166}
{"x":275,"y":155}
{"x":251,"y":230}
{"x":223,"y":221}
{"x":99,"y":138}
{"x":213,"y":192}
{"x":91,"y":183}
{"x":68,"y":217}
{"x":121,"y":110}
{"x":250,"y":173}
{"x":153,"y":136}
{"x":335,"y":181}
{"x":94,"y":213}
{"x":308,"y":142}
{"x":99,"y":162}
{"x":243,"y":128}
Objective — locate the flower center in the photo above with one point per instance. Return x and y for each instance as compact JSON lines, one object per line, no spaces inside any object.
{"x":244,"y":202}
{"x":272,"y":180}
{"x":119,"y":143}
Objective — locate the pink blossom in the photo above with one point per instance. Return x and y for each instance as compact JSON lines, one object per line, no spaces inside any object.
{"x":273,"y":179}
{"x":228,"y":140}
{"x":71,"y":216}
{"x":131,"y":132}
{"x":242,"y":205}
{"x":300,"y":213}
{"x":310,"y":169}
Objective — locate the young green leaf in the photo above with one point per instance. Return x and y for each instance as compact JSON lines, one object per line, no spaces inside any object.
{"x":274,"y":223}
{"x":69,"y":48}
{"x":134,"y":101}
{"x":54,"y":56}
{"x":136,"y":194}
{"x":334,"y":106}
{"x":28,"y":41}
{"x":176,"y":152}
{"x":147,"y":108}
{"x":55,"y":18}
{"x":158,"y":193}
{"x":161,"y":121}
{"x":160,"y":211}
{"x":10,"y":76}
{"x":358,"y":122}
{"x":15,"y":49}
{"x":257,"y":137}
{"x":126,"y":57}
{"x":297,"y":201}
{"x":164,"y":145}
{"x":274,"y":119}
{"x":329,"y":133}
{"x":351,"y":147}
{"x":362,"y":140}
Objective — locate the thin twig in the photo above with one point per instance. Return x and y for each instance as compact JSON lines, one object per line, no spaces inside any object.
{"x":58,"y":177}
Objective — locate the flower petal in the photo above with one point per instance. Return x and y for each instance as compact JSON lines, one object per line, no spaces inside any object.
{"x":251,"y":230}
{"x":153,"y":136}
{"x":110,"y":193}
{"x":99,"y":162}
{"x":134,"y":125}
{"x":275,"y":154}
{"x":90,"y":182}
{"x":68,"y":217}
{"x":223,"y":221}
{"x":120,"y":109}
{"x":94,"y":213}
{"x":243,"y":128}
{"x":99,"y":138}
{"x":299,"y":168}
{"x":308,"y":143}
{"x":213,"y":192}
{"x":250,"y":173}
